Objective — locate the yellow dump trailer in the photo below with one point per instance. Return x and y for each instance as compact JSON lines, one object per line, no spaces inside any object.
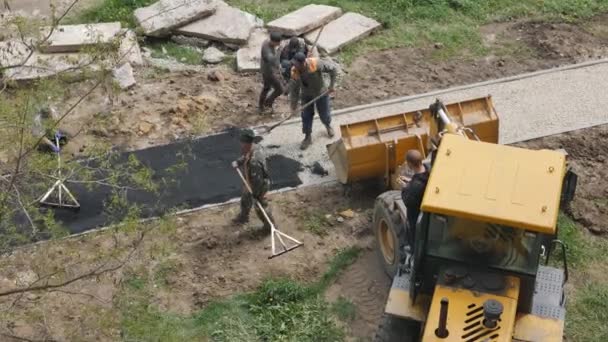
{"x":376,"y":148}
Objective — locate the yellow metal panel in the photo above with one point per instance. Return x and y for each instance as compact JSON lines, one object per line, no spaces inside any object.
{"x":399,"y":304}
{"x":361,"y":152}
{"x":531,"y":328}
{"x":464,"y":310}
{"x":496,"y":183}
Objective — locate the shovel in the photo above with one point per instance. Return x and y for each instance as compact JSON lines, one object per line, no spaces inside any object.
{"x":274,"y":233}
{"x":266,"y":129}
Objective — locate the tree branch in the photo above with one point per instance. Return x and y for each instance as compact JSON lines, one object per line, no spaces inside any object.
{"x":93,"y":273}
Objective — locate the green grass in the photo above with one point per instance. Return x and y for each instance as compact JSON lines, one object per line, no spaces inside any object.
{"x":344,"y":309}
{"x":279,"y":310}
{"x":180,"y":53}
{"x":588,"y":313}
{"x":587,"y":305}
{"x":581,"y":249}
{"x":452,"y":23}
{"x":315,"y":223}
{"x":113,"y":10}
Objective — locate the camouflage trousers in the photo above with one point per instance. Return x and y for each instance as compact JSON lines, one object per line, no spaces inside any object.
{"x":247,"y":201}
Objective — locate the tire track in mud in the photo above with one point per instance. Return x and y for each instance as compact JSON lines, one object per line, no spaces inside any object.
{"x":366,"y":286}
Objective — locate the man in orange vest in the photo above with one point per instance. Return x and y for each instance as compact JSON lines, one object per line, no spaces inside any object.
{"x":306,"y":84}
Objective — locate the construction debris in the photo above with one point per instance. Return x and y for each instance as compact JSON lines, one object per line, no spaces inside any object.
{"x":129,"y":50}
{"x":248,"y":57}
{"x":191,"y":41}
{"x":213,"y":56}
{"x":74,"y":38}
{"x":215,"y":76}
{"x":123,"y":75}
{"x":349,"y":214}
{"x":160,"y":18}
{"x":342,"y":31}
{"x":227,"y":25}
{"x":22,"y":64}
{"x":304,"y":20}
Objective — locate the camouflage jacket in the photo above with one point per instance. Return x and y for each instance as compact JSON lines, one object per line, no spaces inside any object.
{"x":255,"y":170}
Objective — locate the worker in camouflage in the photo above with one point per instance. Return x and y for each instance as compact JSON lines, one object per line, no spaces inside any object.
{"x":253,"y":166}
{"x":270,"y":68}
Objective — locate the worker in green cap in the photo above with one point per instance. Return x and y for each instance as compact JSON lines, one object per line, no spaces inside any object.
{"x":252,"y":164}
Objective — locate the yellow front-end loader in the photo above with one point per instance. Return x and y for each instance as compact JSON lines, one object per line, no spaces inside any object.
{"x":476,"y":265}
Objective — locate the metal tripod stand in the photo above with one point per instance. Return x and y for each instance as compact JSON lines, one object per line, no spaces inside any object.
{"x":64,"y":198}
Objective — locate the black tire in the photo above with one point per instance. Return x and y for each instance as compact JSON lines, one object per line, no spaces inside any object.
{"x":394,"y":329}
{"x":388,"y":225}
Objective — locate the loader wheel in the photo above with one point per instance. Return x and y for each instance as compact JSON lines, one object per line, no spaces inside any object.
{"x":389,"y":232}
{"x":394,"y":329}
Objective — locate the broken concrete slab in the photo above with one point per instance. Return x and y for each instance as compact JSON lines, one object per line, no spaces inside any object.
{"x":343,"y":31}
{"x":22,"y":64}
{"x":248,"y":57}
{"x":304,"y":20}
{"x":74,"y":38}
{"x":227,"y":25}
{"x":129,"y":49}
{"x":213,"y":56}
{"x":123,"y":75}
{"x":160,"y":18}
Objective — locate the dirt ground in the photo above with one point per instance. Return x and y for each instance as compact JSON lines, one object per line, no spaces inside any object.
{"x":198,"y":258}
{"x":203,"y":257}
{"x":168,"y":105}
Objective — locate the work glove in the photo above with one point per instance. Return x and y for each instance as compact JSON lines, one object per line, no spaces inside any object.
{"x":55,"y":149}
{"x":235,"y":164}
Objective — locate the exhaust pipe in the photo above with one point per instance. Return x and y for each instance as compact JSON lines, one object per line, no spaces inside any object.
{"x":442,"y":331}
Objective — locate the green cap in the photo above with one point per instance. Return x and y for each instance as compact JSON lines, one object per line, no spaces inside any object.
{"x":247,"y":136}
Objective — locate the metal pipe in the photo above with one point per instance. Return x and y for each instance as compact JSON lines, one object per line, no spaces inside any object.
{"x":444,"y":117}
{"x":442,"y":331}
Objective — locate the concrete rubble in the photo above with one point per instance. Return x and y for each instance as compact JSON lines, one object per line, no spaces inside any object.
{"x":129,"y":49}
{"x":345,"y":30}
{"x":248,"y":57}
{"x":74,"y":38}
{"x":304,"y":20}
{"x":227,"y":25}
{"x":31,"y":65}
{"x":160,"y":18}
{"x":213,"y":55}
{"x":123,"y":75}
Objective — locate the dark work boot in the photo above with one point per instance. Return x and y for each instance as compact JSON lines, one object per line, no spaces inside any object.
{"x":330,"y":131}
{"x":306,"y":142}
{"x":240,"y":219}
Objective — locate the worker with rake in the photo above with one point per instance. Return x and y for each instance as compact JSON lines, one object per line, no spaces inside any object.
{"x":252,"y":164}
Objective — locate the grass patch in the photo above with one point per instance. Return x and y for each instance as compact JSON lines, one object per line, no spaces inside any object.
{"x":180,"y":53}
{"x":316,"y":223}
{"x":453,"y":23}
{"x":113,"y":10}
{"x":581,"y":249}
{"x":587,"y":314}
{"x":279,"y":310}
{"x":344,"y":309}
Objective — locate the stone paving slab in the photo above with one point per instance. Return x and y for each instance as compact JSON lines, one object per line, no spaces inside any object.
{"x":248,"y":57}
{"x":74,"y":38}
{"x":38,"y":65}
{"x":160,"y":18}
{"x":304,"y":20}
{"x":343,"y":31}
{"x":227,"y":25}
